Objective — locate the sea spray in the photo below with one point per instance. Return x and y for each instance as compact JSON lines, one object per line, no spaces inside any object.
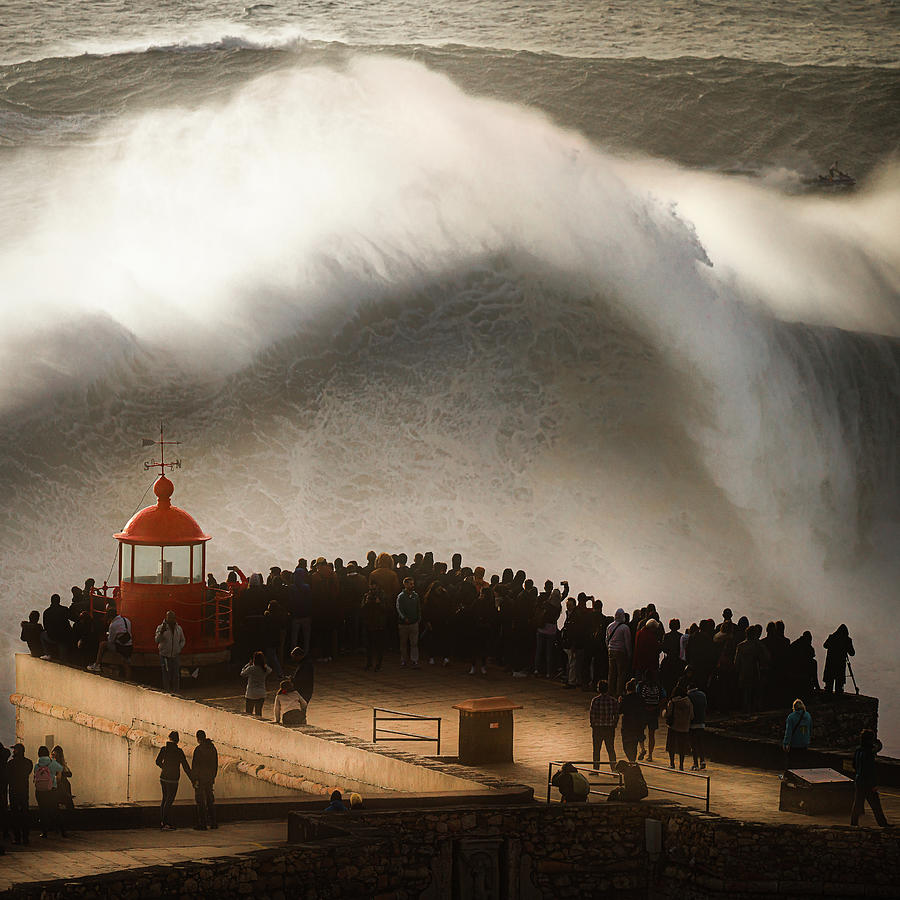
{"x":384,"y":313}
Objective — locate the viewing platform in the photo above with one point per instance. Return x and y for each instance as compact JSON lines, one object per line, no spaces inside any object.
{"x":551,"y":725}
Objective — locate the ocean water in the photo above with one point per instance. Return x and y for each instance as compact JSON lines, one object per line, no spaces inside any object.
{"x":547,"y":284}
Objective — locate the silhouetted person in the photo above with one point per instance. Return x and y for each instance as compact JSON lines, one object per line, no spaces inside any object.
{"x":204,"y":768}
{"x":573,"y":787}
{"x":865,"y":778}
{"x":171,"y":760}
{"x":57,"y":630}
{"x":838,"y":646}
{"x":18,"y":770}
{"x":337,"y":803}
{"x":634,"y":786}
{"x":33,"y":634}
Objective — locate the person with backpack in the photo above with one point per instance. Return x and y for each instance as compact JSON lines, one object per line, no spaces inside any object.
{"x":119,"y":639}
{"x":18,"y":769}
{"x":171,"y":760}
{"x":46,"y":770}
{"x":572,"y":785}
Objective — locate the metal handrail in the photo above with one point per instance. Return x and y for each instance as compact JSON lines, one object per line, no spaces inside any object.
{"x":589,"y":770}
{"x":397,"y":716}
{"x":680,"y":772}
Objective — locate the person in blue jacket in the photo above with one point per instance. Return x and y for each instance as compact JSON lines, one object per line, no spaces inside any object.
{"x":797,"y":732}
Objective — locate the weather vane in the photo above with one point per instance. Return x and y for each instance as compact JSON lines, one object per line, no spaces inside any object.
{"x":162,"y":465}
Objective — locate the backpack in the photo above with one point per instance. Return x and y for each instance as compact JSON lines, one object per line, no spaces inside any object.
{"x":43,"y":778}
{"x":580,"y":786}
{"x":123,"y":638}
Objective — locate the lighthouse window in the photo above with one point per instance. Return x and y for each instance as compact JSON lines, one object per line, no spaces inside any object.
{"x":197,"y":565}
{"x":176,"y":565}
{"x":146,"y":564}
{"x":126,"y":563}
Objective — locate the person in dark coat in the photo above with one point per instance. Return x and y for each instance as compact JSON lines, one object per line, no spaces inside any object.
{"x":866,"y":779}
{"x":171,"y":760}
{"x":57,"y":630}
{"x":374,"y":620}
{"x":4,"y":791}
{"x":838,"y":646}
{"x":204,"y":768}
{"x":304,"y":676}
{"x":33,"y":633}
{"x":18,"y":772}
{"x":633,"y":714}
{"x":802,"y":670}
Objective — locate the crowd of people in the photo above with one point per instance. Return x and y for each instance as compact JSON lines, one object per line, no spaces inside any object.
{"x":439,"y":614}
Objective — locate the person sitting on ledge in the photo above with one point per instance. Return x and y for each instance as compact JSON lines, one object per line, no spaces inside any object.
{"x":290,"y":707}
{"x":118,"y":640}
{"x":573,"y":786}
{"x":356,"y":802}
{"x":634,"y":787}
{"x":337,"y":803}
{"x":32,"y":634}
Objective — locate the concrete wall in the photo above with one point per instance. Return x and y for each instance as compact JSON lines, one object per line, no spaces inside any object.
{"x":111,"y":732}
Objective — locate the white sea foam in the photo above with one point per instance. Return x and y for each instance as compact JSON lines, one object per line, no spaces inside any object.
{"x":556,"y":359}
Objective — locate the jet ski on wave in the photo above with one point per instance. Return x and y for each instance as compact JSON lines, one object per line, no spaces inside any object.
{"x":835,"y":179}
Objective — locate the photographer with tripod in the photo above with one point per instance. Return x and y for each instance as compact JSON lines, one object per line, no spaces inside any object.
{"x":838,"y":649}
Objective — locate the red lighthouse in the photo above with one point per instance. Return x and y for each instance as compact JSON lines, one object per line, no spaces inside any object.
{"x":162,"y":566}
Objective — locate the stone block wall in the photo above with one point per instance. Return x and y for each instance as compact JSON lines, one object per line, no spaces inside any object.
{"x":537,"y":851}
{"x":836,"y":721}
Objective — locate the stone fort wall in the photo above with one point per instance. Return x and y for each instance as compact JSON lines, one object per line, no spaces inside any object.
{"x":539,"y":851}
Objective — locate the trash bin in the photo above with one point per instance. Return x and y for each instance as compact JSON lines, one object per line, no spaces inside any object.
{"x":816,"y":792}
{"x":486,"y":730}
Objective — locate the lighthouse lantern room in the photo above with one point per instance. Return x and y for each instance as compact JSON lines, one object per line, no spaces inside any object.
{"x":162,"y":567}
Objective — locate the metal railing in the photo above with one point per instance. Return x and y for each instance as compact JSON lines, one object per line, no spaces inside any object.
{"x":590,"y":772}
{"x":395,"y":716}
{"x":680,"y":774}
{"x":593,"y":775}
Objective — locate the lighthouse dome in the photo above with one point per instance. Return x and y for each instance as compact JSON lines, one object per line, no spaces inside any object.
{"x":162,"y":523}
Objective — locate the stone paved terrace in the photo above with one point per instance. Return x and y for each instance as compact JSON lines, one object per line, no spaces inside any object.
{"x":552,"y":725}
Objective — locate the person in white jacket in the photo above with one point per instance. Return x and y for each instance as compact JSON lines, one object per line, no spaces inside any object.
{"x":170,"y":640}
{"x":290,"y":707}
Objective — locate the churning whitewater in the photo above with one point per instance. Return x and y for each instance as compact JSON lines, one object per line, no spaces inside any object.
{"x":457,"y":298}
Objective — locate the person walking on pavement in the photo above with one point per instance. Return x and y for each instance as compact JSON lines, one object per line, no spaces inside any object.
{"x":865,"y":777}
{"x":171,"y":760}
{"x":170,"y":640}
{"x":604,"y":718}
{"x":204,"y":768}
